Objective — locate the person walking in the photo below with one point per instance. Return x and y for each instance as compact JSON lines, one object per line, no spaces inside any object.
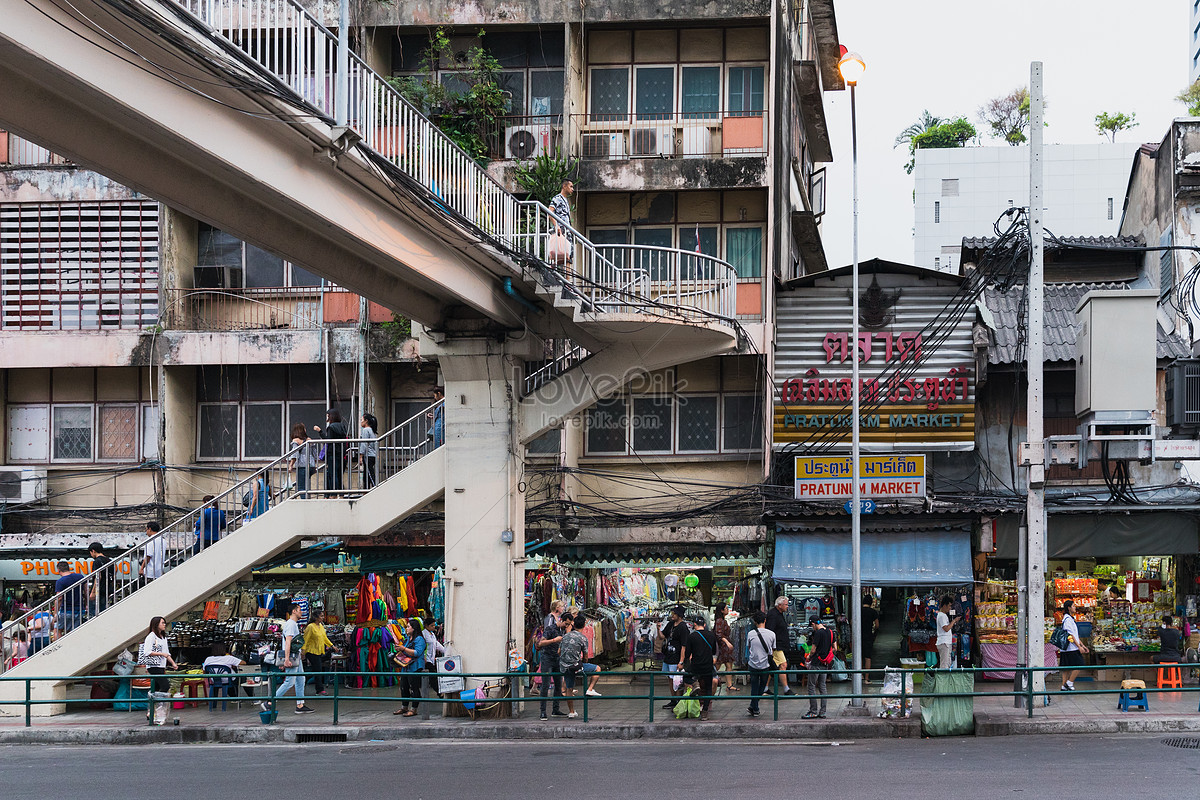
{"x":316,"y":645}
{"x":777,"y":624}
{"x":100,"y":577}
{"x":368,"y":449}
{"x":820,"y":660}
{"x":153,"y":562}
{"x":39,"y":631}
{"x":304,"y":459}
{"x":945,"y":634}
{"x":437,"y":420}
{"x":1072,"y":656}
{"x":155,"y":655}
{"x":335,"y":449}
{"x":560,"y":218}
{"x":870,"y":627}
{"x":411,"y":673}
{"x":293,"y":644}
{"x":724,"y":645}
{"x":211,"y":523}
{"x":70,"y":598}
{"x":260,"y":497}
{"x":699,"y":656}
{"x":548,"y":657}
{"x":760,"y":646}
{"x":572,"y":660}
{"x":675,"y":634}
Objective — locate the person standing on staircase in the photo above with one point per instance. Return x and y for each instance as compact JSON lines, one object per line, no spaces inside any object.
{"x":102,"y":578}
{"x":155,"y":553}
{"x":335,"y":449}
{"x":71,"y":593}
{"x":560,"y":217}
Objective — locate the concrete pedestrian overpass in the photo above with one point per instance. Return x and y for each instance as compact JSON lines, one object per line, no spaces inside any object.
{"x":229,"y":110}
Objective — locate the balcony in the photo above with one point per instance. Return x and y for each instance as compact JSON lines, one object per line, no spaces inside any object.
{"x":263,"y":309}
{"x":608,"y":137}
{"x":18,"y":152}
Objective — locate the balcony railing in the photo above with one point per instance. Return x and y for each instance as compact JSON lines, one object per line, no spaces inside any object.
{"x":521,"y":138}
{"x":242,"y":309}
{"x":606,"y":137}
{"x":18,"y":152}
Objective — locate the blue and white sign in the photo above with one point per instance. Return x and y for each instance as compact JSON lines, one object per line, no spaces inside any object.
{"x":865,"y":506}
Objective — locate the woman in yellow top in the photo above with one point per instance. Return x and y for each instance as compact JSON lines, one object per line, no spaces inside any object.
{"x":316,"y":643}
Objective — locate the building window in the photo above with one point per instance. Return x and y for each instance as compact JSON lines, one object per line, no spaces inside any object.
{"x":937,"y":263}
{"x":247,"y":413}
{"x":82,"y":432}
{"x":548,"y":444}
{"x":1110,"y":208}
{"x":746,"y":91}
{"x":937,"y":211}
{"x":225,"y":262}
{"x":79,"y":266}
{"x":949,"y":187}
{"x":675,"y":425}
{"x":744,"y":250}
{"x":1166,"y":264}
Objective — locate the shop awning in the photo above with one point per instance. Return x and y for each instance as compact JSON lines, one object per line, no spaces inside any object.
{"x":407,"y":559}
{"x":1107,"y":535}
{"x":657,"y":556}
{"x":911,"y":558}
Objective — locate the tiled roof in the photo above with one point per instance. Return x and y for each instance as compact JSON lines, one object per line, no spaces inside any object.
{"x":1114,"y":242}
{"x":1058,"y":322}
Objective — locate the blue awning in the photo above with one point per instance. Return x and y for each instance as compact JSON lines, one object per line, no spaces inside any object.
{"x":910,"y":558}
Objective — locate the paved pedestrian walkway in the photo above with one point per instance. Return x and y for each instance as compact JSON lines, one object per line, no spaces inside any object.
{"x":366,"y":714}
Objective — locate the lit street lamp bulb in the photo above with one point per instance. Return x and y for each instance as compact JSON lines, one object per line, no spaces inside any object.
{"x":852,"y":67}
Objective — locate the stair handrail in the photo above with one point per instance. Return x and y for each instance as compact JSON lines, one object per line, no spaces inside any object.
{"x":395,"y":130}
{"x":419,"y":435}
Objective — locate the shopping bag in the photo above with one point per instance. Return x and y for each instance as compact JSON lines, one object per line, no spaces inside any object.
{"x":558,"y":249}
{"x":839,"y":674}
{"x":687,"y":707}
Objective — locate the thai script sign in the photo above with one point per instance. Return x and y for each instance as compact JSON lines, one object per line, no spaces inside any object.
{"x":880,"y":476}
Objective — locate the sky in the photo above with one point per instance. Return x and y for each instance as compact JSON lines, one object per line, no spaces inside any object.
{"x":950,"y":57}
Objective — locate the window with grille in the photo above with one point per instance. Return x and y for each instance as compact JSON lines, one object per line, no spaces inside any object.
{"x":676,"y":424}
{"x":79,"y":266}
{"x":937,"y":211}
{"x":82,"y":432}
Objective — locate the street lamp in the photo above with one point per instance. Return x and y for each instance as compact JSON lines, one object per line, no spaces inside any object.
{"x":852,"y":67}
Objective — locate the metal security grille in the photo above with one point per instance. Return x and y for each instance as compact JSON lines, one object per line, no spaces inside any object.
{"x":78,"y":266}
{"x":301,"y":738}
{"x":1186,"y":742}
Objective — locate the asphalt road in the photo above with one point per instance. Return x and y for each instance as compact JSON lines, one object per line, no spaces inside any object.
{"x":1018,"y":766}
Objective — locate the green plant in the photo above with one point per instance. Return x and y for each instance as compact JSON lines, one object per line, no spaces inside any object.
{"x":1111,"y":124}
{"x":543,"y":176}
{"x":398,"y":329}
{"x":952,"y":133}
{"x":1190,"y":97}
{"x":1008,"y":115}
{"x":465,"y":107}
{"x":927,"y":122}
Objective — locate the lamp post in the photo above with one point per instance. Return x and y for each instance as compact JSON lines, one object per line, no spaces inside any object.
{"x":852,"y":67}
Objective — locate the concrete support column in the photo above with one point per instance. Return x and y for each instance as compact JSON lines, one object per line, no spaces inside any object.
{"x":178,"y":430}
{"x":570,"y":450}
{"x":483,"y":501}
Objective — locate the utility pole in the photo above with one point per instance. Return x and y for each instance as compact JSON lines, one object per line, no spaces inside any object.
{"x":1034,"y":569}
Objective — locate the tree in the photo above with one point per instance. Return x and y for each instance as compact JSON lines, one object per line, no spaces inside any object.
{"x":1190,"y":97}
{"x":1008,"y":116}
{"x":1111,"y":124}
{"x":953,"y":133}
{"x":542,"y":177}
{"x":925,"y":123}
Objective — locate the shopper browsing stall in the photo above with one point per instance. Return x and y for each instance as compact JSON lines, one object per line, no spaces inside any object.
{"x":156,"y":655}
{"x":411,"y":657}
{"x":1072,"y":656}
{"x":945,"y":634}
{"x":292,"y":646}
{"x":675,"y":634}
{"x":777,"y":623}
{"x":1171,"y":639}
{"x":572,"y":652}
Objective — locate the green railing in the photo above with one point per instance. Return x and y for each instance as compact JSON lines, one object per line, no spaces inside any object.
{"x":657,"y":685}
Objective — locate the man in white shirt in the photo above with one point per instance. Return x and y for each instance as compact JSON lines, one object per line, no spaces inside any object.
{"x":152,"y":562}
{"x":760,"y":645}
{"x":945,"y":639}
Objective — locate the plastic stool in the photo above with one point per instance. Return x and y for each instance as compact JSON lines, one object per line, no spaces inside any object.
{"x":1133,"y":700}
{"x":194,"y":688}
{"x":1169,"y":675}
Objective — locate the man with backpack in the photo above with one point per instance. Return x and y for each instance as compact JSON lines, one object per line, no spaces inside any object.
{"x":699,"y":656}
{"x":572,"y":654}
{"x":819,"y":661}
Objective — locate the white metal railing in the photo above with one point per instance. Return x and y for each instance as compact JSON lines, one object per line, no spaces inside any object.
{"x":225,"y":515}
{"x":539,"y":373}
{"x":287,"y":41}
{"x":22,"y":152}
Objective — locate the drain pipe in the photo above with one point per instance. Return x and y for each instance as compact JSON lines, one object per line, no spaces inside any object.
{"x":511,"y":292}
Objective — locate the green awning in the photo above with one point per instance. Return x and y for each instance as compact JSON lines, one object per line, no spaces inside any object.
{"x":400,"y":559}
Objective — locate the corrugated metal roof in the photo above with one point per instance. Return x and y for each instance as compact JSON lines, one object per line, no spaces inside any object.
{"x":1059,"y":322}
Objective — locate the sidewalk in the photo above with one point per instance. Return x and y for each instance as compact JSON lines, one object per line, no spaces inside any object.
{"x":363,"y":719}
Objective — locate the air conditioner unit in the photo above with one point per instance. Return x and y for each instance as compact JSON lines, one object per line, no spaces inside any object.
{"x":603,"y":145}
{"x":523,"y":142}
{"x":22,"y":485}
{"x":652,"y":142}
{"x":1182,"y":395}
{"x":696,"y":139}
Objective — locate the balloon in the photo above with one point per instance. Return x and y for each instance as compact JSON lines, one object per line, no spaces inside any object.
{"x":691,"y":581}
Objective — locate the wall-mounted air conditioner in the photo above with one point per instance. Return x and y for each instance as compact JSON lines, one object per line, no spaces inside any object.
{"x":1182,"y":395}
{"x":523,"y":142}
{"x":652,"y":141}
{"x":22,"y":484}
{"x":697,"y":139}
{"x":603,"y":145}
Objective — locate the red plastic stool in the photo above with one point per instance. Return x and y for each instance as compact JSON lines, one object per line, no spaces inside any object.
{"x":194,"y":688}
{"x":1169,"y":675}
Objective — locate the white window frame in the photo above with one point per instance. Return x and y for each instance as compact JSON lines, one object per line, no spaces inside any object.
{"x":90,"y":460}
{"x":766,"y":68}
{"x":627,"y":114}
{"x":721,"y":76}
{"x":142,"y":412}
{"x":628,"y":442}
{"x":46,"y":444}
{"x":631,"y":429}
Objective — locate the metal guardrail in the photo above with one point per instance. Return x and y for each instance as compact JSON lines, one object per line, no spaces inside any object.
{"x":241,"y":309}
{"x":280,"y":481}
{"x":657,"y":681}
{"x":682,"y":134}
{"x":289,"y":43}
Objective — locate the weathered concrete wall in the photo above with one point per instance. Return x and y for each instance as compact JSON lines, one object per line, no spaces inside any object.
{"x":59,"y":184}
{"x":540,"y":12}
{"x":664,"y":174}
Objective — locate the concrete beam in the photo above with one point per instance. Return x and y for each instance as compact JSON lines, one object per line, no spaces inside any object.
{"x":229,"y":163}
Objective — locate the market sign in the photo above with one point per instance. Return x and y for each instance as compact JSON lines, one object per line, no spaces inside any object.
{"x":916,"y":365}
{"x":880,"y":476}
{"x":46,"y":569}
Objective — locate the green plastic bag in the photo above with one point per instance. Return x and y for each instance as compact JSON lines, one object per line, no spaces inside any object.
{"x":687,"y":707}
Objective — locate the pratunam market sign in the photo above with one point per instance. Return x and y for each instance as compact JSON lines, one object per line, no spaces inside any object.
{"x":829,"y":477}
{"x":916,"y":367}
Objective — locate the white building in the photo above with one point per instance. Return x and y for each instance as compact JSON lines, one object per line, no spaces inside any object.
{"x":962,"y":191}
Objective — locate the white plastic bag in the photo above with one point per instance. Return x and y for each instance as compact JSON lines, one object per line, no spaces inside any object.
{"x":161,"y":703}
{"x":125,"y":663}
{"x":890,"y":695}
